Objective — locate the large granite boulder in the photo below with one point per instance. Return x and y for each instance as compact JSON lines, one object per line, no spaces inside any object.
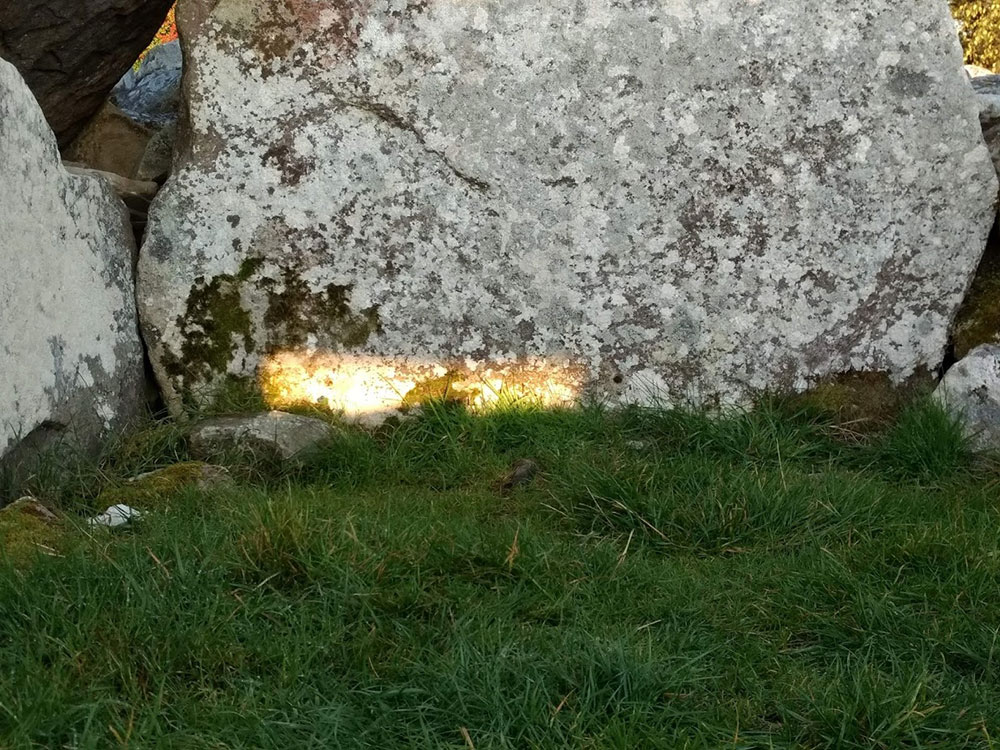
{"x":72,"y":358}
{"x":691,"y":201}
{"x":73,"y":52}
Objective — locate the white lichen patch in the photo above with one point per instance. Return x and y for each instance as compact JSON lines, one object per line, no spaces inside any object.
{"x":690,"y":202}
{"x":68,"y":330}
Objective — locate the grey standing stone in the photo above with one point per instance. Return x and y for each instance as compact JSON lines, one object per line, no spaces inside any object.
{"x":975,"y":71}
{"x":72,"y":362}
{"x":653,"y":202}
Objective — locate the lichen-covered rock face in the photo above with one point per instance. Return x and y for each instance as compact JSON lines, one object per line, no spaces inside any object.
{"x":971,"y":390}
{"x":73,"y":52}
{"x":72,"y":358}
{"x":687,"y":201}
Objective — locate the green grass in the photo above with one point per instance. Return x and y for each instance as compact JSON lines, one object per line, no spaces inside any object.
{"x":668,"y":581}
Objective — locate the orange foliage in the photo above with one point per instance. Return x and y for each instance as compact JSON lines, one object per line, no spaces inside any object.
{"x":167,"y":33}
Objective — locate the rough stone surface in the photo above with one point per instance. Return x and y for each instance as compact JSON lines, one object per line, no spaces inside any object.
{"x":987,"y":90}
{"x":136,"y":194}
{"x":971,"y":389}
{"x":978,"y":319}
{"x":73,"y":52}
{"x":151,"y":95}
{"x":976,"y":71}
{"x":72,"y":359}
{"x":274,"y":433}
{"x":31,"y":507}
{"x":689,"y":201}
{"x":157,"y":160}
{"x":111,"y":142}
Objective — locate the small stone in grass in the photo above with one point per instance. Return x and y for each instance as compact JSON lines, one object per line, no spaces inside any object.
{"x":522,"y":471}
{"x":276,"y":434}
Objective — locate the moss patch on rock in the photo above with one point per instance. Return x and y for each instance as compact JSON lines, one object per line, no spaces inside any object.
{"x":237,"y":395}
{"x":27,"y":530}
{"x":450,"y":387}
{"x":155,"y":489}
{"x":216,"y":324}
{"x":862,"y":402}
{"x":294,"y":312}
{"x":978,"y":320}
{"x":211,"y":329}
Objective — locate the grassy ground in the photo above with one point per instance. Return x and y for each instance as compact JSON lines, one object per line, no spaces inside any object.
{"x":668,"y":581}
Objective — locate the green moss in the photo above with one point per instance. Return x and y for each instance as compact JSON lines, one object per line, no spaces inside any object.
{"x":862,"y":402}
{"x":249,"y":267}
{"x":154,"y":490}
{"x":215,"y":325}
{"x":211,"y":328}
{"x":25,"y":534}
{"x":295,"y":312}
{"x":978,"y":320}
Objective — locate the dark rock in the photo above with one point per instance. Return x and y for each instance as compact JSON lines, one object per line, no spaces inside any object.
{"x":157,"y":161}
{"x":111,"y":142}
{"x":73,"y":52}
{"x":522,"y":471}
{"x":978,"y":320}
{"x":151,"y":95}
{"x":987,"y":90}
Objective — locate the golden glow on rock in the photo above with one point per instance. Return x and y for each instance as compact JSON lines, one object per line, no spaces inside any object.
{"x":368,"y":387}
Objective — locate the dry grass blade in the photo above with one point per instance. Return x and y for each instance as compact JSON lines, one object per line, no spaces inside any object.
{"x":468,"y":738}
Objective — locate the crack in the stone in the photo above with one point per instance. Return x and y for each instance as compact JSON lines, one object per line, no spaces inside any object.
{"x":393,"y":118}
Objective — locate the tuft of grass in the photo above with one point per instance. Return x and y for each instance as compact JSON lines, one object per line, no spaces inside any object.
{"x":667,"y":580}
{"x":926,"y":442}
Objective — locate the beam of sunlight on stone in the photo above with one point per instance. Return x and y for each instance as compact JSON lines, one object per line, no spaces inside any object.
{"x":371,"y":388}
